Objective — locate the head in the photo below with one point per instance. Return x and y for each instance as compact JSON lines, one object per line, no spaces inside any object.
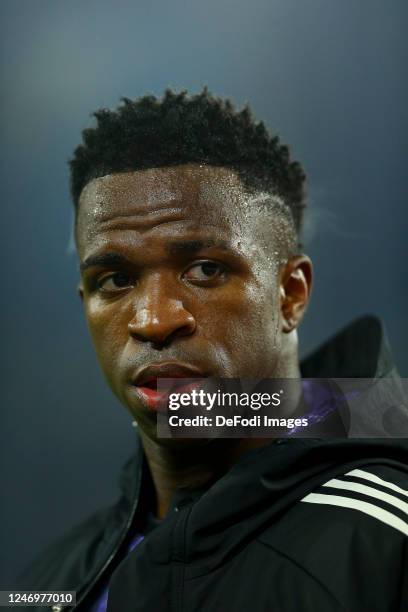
{"x":188,"y":216}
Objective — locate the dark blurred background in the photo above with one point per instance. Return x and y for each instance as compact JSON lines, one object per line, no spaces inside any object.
{"x":328,"y":76}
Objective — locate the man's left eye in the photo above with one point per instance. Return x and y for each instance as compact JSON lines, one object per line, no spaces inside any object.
{"x":205,"y":271}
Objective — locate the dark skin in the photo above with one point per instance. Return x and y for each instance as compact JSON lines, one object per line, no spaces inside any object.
{"x":179,"y":265}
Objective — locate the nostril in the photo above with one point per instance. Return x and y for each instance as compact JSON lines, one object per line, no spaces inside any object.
{"x":161,"y":324}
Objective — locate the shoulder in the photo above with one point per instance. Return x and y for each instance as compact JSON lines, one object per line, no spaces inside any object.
{"x":363,"y":507}
{"x":72,"y":560}
{"x":351,"y":535}
{"x":375,"y":496}
{"x":65,"y":564}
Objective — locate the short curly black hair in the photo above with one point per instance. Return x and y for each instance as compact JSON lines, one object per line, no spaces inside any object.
{"x":149,"y":132}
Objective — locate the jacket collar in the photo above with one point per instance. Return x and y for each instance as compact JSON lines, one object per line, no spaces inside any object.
{"x":359,"y":350}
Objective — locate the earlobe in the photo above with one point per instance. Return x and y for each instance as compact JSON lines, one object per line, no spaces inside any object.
{"x":295,"y":290}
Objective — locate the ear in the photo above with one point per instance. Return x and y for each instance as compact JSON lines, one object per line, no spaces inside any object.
{"x":80,"y":290}
{"x":295,"y":289}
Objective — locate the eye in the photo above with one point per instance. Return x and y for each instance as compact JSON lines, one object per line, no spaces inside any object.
{"x":113,"y":283}
{"x":205,"y":271}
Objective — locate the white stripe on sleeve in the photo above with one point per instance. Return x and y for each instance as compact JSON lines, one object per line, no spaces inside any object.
{"x":370,"y":491}
{"x":355,"y":504}
{"x":377,"y":480}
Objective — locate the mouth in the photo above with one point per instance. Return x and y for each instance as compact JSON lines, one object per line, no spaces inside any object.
{"x":145,"y":383}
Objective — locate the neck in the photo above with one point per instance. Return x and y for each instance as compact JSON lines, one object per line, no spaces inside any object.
{"x":195,"y":464}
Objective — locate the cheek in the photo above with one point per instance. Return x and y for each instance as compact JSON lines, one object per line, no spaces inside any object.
{"x":108,"y":331}
{"x":259,"y":333}
{"x":244,"y":332}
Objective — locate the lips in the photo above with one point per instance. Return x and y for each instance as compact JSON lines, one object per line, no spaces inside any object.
{"x":145,"y":382}
{"x":168,"y":369}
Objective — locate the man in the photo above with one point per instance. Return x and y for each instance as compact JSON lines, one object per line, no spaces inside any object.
{"x":188,"y":216}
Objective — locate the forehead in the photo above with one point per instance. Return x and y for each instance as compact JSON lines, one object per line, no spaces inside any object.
{"x":170,"y":199}
{"x":186,"y":186}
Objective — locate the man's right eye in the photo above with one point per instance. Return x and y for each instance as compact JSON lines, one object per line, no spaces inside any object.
{"x":113,"y":283}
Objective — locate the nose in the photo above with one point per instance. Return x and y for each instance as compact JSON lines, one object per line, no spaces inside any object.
{"x":160,"y":318}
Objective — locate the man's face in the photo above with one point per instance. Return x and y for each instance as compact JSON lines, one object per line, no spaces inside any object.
{"x":179,"y":268}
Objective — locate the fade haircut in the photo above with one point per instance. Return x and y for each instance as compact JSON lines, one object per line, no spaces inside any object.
{"x":149,"y":132}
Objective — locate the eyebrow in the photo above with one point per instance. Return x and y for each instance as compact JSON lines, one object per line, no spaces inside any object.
{"x":104,"y":259}
{"x":172,"y":248}
{"x":192,"y":246}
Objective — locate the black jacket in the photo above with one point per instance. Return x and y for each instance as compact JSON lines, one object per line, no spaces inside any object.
{"x":299,"y":525}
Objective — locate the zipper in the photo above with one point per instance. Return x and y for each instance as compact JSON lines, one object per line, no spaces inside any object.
{"x":113,"y":553}
{"x":180,"y":554}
